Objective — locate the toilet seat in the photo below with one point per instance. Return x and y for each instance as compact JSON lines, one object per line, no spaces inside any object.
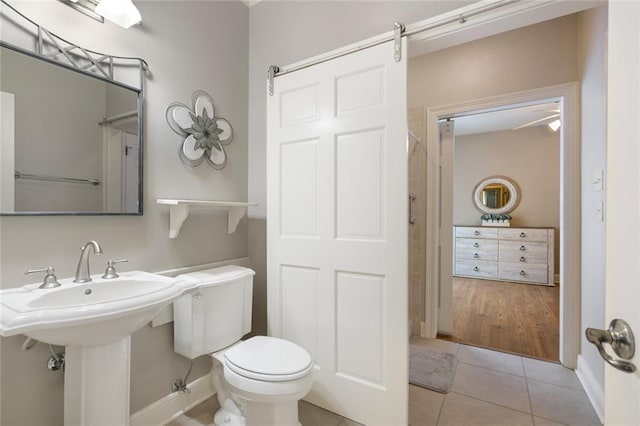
{"x":268,"y":359}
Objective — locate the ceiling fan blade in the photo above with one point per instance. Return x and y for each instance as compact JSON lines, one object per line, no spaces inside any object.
{"x":531,"y":123}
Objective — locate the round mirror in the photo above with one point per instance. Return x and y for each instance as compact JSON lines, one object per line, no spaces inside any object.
{"x":496,"y":195}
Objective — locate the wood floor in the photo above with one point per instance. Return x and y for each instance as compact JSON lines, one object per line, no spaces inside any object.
{"x":510,"y":317}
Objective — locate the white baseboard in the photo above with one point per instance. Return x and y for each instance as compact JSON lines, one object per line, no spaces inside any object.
{"x":173,"y":405}
{"x":423,"y":329}
{"x":594,"y":390}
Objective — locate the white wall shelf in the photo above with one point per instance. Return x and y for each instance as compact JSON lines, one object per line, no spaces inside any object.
{"x":179,"y":212}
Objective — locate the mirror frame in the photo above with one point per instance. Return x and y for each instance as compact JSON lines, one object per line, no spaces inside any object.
{"x":514,"y":199}
{"x":94,"y":64}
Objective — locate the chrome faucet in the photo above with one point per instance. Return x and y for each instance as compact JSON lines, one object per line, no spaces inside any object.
{"x":82,"y":272}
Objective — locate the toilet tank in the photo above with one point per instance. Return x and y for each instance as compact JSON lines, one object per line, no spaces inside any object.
{"x":215,"y":312}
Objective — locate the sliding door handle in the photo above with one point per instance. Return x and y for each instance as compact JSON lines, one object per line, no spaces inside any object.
{"x":412,"y":217}
{"x":620,"y":337}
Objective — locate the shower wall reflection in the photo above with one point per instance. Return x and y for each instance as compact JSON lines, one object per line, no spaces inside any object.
{"x":417,"y":235}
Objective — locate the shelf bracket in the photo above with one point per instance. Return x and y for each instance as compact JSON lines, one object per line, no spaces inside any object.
{"x":179,"y":212}
{"x":234,"y":217}
{"x":177,"y":215}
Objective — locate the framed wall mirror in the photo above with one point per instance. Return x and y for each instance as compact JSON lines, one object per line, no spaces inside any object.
{"x":496,"y":195}
{"x":71,"y":138}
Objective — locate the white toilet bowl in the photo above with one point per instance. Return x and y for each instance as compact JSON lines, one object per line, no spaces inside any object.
{"x":259,"y":381}
{"x":262,"y":378}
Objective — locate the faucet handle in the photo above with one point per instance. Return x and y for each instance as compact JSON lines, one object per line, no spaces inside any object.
{"x":50,"y":280}
{"x":110,"y":272}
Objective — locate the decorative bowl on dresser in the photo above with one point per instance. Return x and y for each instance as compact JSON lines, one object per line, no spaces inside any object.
{"x":504,"y":254}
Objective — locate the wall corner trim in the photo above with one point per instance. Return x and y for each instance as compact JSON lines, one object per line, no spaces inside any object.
{"x":594,"y":390}
{"x":175,"y":404}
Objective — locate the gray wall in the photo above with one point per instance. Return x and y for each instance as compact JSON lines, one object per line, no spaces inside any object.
{"x":189,"y":46}
{"x":592,"y":30}
{"x":516,"y":60}
{"x":530,"y":157}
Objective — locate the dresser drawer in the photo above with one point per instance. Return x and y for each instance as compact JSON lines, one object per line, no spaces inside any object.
{"x":517,"y":248}
{"x":476,"y":244}
{"x":480,"y":269}
{"x":524,"y":273}
{"x":523,"y":234}
{"x":523,"y":258}
{"x":477,"y":254}
{"x":473,"y":232}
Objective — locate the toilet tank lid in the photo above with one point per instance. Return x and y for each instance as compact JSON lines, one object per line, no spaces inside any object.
{"x":269,"y":356}
{"x":215,"y":276}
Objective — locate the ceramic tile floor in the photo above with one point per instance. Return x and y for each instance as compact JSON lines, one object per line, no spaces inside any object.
{"x":490,"y":388}
{"x":308,"y":414}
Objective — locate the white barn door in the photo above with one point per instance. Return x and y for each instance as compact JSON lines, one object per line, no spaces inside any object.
{"x":337,"y":229}
{"x":621,"y":389}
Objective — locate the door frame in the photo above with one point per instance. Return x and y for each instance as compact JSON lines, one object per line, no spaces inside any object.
{"x":570,"y":211}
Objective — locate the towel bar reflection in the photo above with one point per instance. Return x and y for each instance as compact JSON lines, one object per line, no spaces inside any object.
{"x":412,"y":218}
{"x":110,"y":120}
{"x":20,"y":175}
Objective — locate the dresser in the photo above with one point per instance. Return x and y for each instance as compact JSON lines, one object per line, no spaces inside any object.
{"x":504,"y":254}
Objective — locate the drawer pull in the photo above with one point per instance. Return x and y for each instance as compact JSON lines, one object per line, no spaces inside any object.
{"x":523,"y":273}
{"x":522,"y":235}
{"x":523,"y":248}
{"x":477,"y":256}
{"x":476,"y":245}
{"x":475,"y":268}
{"x":522,"y":259}
{"x":476,"y":233}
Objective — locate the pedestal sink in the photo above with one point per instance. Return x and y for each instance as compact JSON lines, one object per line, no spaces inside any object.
{"x":94,"y":321}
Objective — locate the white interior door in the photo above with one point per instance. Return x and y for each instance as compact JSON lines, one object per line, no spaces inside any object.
{"x":622,"y":390}
{"x":337,"y":229}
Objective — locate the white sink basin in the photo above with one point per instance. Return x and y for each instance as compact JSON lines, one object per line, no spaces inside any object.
{"x":86,"y":314}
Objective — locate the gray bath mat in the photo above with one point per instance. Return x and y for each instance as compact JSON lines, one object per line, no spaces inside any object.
{"x":432,"y":369}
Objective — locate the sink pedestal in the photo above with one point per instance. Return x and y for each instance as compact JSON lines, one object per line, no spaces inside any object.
{"x":94,"y":320}
{"x":96,"y":384}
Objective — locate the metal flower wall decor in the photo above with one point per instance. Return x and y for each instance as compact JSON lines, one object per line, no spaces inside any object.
{"x":203,"y":134}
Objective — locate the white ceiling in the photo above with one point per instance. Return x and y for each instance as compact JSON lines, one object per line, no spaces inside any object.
{"x":505,"y":119}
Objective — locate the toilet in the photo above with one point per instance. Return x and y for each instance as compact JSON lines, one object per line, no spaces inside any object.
{"x":258,"y":381}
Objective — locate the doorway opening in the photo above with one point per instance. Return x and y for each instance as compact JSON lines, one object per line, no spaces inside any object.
{"x":440,"y":215}
{"x":504,"y":181}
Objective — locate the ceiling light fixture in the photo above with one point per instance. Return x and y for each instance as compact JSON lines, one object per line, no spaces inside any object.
{"x":121,"y":12}
{"x":555,"y":125}
{"x":88,"y":7}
